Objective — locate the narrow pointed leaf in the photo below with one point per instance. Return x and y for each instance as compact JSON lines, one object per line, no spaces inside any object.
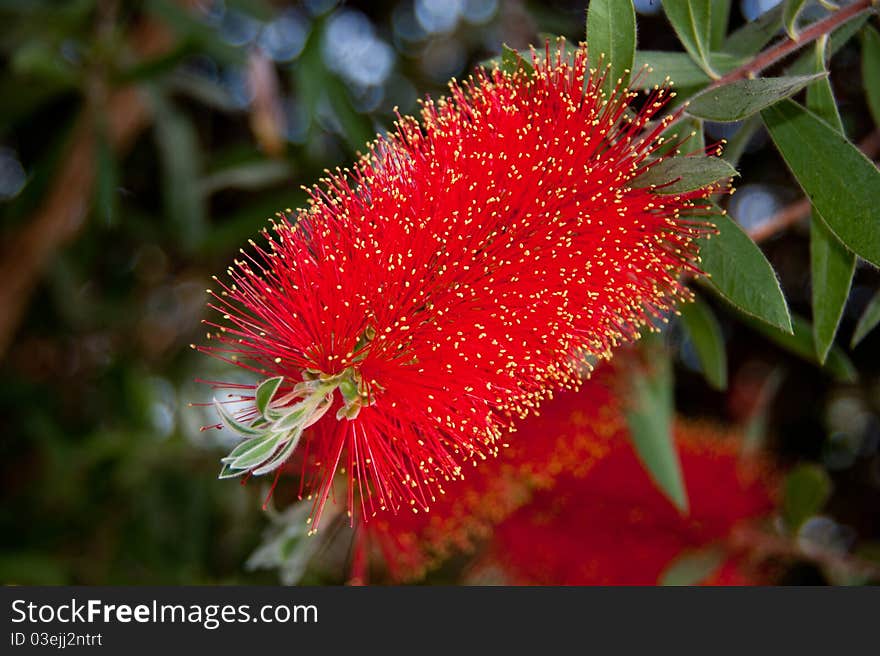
{"x":741,"y":274}
{"x":743,"y":98}
{"x":266,"y":392}
{"x":257,"y":453}
{"x":282,"y":456}
{"x":831,"y":264}
{"x":233,"y":423}
{"x":611,"y":31}
{"x":676,"y":175}
{"x":692,"y":22}
{"x":229,"y":472}
{"x":868,"y":321}
{"x":513,"y":61}
{"x":843,"y":184}
{"x":800,"y":343}
{"x":705,"y":333}
{"x":650,"y":422}
{"x":791,"y":10}
{"x":245,"y":446}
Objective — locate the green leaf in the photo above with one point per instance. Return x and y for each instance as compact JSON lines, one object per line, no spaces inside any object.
{"x":649,"y":417}
{"x":720,"y":19}
{"x":678,"y":175}
{"x":679,"y":68}
{"x":831,"y":267}
{"x":741,"y":274}
{"x":234,"y":424}
{"x":692,"y":22}
{"x":868,"y":321}
{"x":842,"y":184}
{"x":800,"y":342}
{"x":705,"y":333}
{"x":742,"y":98}
{"x":512,"y":61}
{"x":831,"y":264}
{"x":259,"y":450}
{"x":180,"y":157}
{"x":791,"y":10}
{"x":693,"y":566}
{"x":871,"y":70}
{"x":107,"y":181}
{"x":806,"y":492}
{"x":247,"y":176}
{"x":611,"y":30}
{"x":282,"y":456}
{"x":749,"y":39}
{"x":266,"y":392}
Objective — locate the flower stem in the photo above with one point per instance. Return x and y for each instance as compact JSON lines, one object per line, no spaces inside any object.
{"x":781,"y":50}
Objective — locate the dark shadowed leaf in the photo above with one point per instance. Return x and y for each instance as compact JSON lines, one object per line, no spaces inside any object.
{"x":753,"y":36}
{"x":741,"y":274}
{"x":107,"y":182}
{"x":806,"y":492}
{"x":843,"y":184}
{"x":800,"y":342}
{"x":871,"y":70}
{"x":680,"y":174}
{"x":611,"y":31}
{"x":742,"y":98}
{"x":705,"y":333}
{"x":831,"y":264}
{"x":649,"y":417}
{"x":738,"y":143}
{"x":692,"y":567}
{"x":692,"y":22}
{"x":720,"y":19}
{"x":181,"y":163}
{"x":839,"y":38}
{"x":868,"y":321}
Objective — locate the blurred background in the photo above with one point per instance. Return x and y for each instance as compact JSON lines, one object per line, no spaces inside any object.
{"x":142,"y":143}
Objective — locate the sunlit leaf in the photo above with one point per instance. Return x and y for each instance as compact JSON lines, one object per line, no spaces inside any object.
{"x":743,"y":98}
{"x":843,"y":184}
{"x":611,"y":31}
{"x":741,"y":274}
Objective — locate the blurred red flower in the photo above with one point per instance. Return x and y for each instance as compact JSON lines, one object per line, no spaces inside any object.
{"x":465,"y":268}
{"x":614,"y":526}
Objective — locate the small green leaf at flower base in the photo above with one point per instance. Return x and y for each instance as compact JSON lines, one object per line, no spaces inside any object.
{"x":705,"y":333}
{"x":801,"y":343}
{"x":233,"y":423}
{"x":650,"y":422}
{"x":806,"y":491}
{"x":740,"y":274}
{"x":266,"y":392}
{"x":258,"y":452}
{"x":868,"y":321}
{"x":611,"y":31}
{"x":743,"y":98}
{"x":512,"y":61}
{"x":282,"y":456}
{"x":791,"y":10}
{"x":692,"y":22}
{"x":677,"y":175}
{"x":843,"y":184}
{"x":693,"y":566}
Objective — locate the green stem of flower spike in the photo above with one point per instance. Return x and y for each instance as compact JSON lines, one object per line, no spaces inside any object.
{"x":270,"y":439}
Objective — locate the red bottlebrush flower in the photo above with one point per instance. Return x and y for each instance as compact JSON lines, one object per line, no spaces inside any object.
{"x":465,"y":268}
{"x":570,"y":434}
{"x":614,"y":527}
